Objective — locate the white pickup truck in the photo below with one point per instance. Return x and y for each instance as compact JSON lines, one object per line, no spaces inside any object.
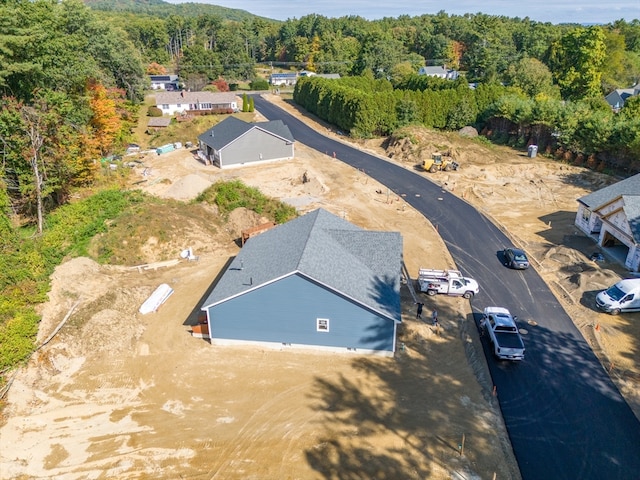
{"x":448,"y":282}
{"x":503,"y":333}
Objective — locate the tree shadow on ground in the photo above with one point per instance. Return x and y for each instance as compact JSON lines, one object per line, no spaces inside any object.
{"x":412,"y":424}
{"x":567,"y":424}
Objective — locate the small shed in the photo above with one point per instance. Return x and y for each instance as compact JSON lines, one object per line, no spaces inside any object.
{"x":158,"y":122}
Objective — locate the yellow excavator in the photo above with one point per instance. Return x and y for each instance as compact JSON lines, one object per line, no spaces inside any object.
{"x":440,"y":161}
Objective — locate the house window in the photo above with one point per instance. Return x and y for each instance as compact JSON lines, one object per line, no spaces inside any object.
{"x":205,"y":106}
{"x":322,"y":324}
{"x":586,"y":214}
{"x":165,"y":107}
{"x":179,"y":105}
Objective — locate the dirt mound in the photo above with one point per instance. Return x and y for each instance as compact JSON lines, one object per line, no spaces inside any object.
{"x":241,"y":219}
{"x":311,"y":184}
{"x":187,"y":187}
{"x":72,"y":275}
{"x":413,"y":144}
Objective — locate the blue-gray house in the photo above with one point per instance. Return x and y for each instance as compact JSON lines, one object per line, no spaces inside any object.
{"x":317,"y":281}
{"x":235,"y":143}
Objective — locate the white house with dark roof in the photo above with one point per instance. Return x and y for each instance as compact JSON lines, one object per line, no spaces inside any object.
{"x":315,"y":282}
{"x":611,"y":216}
{"x":307,"y":73}
{"x":440,"y":71}
{"x":235,"y":143}
{"x":164,"y":82}
{"x":283,"y":78}
{"x":183,"y":102}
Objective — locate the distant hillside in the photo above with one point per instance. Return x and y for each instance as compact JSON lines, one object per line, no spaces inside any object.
{"x":159,"y":8}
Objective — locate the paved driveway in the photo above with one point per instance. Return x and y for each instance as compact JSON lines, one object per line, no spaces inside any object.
{"x":565,"y":417}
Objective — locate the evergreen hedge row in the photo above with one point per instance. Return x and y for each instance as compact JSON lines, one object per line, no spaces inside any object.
{"x":367,"y":107}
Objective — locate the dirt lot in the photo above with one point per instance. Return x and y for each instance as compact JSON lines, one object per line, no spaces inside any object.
{"x":120,"y":394}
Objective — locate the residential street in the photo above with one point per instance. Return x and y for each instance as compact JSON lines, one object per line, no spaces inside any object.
{"x":566,"y":419}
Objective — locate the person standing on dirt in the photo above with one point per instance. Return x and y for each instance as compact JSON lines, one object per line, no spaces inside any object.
{"x":419,"y":311}
{"x":434,"y":317}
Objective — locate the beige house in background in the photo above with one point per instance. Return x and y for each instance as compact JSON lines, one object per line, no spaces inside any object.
{"x":183,"y":102}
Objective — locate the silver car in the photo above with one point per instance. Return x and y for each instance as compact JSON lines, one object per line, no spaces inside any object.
{"x":515,"y":258}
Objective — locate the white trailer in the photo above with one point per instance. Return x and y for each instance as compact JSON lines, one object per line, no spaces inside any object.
{"x":447,"y":282}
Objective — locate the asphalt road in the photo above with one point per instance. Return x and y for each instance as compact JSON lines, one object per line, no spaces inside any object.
{"x":565,"y":417}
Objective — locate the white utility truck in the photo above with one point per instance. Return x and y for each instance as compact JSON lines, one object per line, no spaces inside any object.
{"x":504,"y":336}
{"x":624,"y":296}
{"x":448,"y":282}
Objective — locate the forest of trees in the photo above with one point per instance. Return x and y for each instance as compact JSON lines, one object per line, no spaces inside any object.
{"x":73,"y":74}
{"x":547,"y":82}
{"x":201,"y":41}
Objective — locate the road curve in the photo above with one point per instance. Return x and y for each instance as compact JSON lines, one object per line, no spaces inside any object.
{"x":565,"y":417}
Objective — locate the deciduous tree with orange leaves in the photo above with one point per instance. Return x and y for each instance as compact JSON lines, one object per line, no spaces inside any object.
{"x":156,"y":69}
{"x":106,"y":123}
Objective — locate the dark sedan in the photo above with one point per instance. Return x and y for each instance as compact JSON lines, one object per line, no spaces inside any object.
{"x":515,"y":258}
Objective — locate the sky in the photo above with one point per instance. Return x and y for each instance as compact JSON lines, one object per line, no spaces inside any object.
{"x":558,"y":11}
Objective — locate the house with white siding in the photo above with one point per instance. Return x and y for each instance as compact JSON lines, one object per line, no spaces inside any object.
{"x":184,"y":102}
{"x":283,"y":78}
{"x":611,"y":216}
{"x":164,"y":82}
{"x":440,"y":72}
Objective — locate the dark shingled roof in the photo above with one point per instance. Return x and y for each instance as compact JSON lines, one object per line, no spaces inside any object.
{"x":628,"y":186}
{"x":163,"y":78}
{"x":632,"y":212}
{"x":231,"y":128}
{"x":362,"y":265}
